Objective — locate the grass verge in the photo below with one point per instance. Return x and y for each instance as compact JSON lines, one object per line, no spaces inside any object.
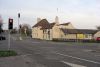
{"x":7,"y":53}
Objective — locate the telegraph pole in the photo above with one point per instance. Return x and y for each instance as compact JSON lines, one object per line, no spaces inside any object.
{"x":57,"y":10}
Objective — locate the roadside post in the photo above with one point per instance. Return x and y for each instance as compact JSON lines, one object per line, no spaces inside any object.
{"x":19,"y":27}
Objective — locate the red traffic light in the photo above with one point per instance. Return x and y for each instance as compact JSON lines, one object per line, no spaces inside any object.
{"x":10,"y":23}
{"x":10,"y":20}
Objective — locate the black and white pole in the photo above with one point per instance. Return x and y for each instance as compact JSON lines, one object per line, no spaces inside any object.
{"x":19,"y":29}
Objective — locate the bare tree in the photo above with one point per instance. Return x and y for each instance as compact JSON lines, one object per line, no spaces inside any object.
{"x":14,"y":30}
{"x":25,"y":29}
{"x":98,"y":27}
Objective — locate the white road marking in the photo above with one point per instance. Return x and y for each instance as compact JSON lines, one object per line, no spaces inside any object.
{"x":56,"y":43}
{"x":13,"y":38}
{"x":72,"y":65}
{"x":79,"y":58}
{"x":35,"y":42}
{"x":97,"y":55}
{"x":26,"y":55}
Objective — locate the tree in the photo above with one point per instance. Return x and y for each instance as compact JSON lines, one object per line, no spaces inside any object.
{"x":14,"y":30}
{"x":1,"y":24}
{"x":25,"y":29}
{"x":98,"y":27}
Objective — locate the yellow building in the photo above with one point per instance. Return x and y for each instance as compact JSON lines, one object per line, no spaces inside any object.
{"x":49,"y":31}
{"x":41,"y":30}
{"x":97,"y":34}
{"x":55,"y":31}
{"x":77,"y":34}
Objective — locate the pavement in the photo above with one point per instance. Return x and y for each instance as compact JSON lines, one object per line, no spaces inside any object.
{"x":38,"y":53}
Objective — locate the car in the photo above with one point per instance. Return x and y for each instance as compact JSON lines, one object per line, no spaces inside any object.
{"x":2,"y":38}
{"x":98,"y":39}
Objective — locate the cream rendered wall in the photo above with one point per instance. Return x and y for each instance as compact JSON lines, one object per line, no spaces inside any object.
{"x":37,"y":33}
{"x":80,"y":36}
{"x":55,"y":32}
{"x":40,"y":34}
{"x":34,"y":32}
{"x":69,"y":26}
{"x":45,"y":34}
{"x":68,"y":36}
{"x":71,"y":36}
{"x":51,"y":34}
{"x":97,"y":34}
{"x":88,"y":36}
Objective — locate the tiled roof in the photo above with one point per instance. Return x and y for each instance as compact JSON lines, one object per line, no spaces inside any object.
{"x":65,"y":23}
{"x":43,"y":23}
{"x":46,"y":25}
{"x":51,"y":25}
{"x":78,"y":31}
{"x":69,"y":31}
{"x":87,"y":31}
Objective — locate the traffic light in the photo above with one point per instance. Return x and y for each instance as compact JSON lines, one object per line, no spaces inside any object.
{"x":10,"y":23}
{"x":18,"y":15}
{"x":20,"y":26}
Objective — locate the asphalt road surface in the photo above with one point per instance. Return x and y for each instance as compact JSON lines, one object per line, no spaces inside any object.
{"x":37,"y":53}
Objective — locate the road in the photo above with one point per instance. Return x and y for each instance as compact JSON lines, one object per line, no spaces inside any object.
{"x":38,"y":53}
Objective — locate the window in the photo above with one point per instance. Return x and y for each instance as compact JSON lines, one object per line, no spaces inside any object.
{"x":49,"y":32}
{"x":44,"y":31}
{"x":86,"y":36}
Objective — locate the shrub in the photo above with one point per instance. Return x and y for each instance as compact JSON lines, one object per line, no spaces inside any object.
{"x":7,"y":53}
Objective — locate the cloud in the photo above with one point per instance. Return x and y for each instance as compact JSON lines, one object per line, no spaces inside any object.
{"x":82,"y":13}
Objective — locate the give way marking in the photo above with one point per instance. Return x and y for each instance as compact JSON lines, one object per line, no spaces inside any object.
{"x":79,"y":58}
{"x":72,"y":65}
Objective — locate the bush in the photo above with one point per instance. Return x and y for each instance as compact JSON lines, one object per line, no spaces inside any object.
{"x":7,"y":53}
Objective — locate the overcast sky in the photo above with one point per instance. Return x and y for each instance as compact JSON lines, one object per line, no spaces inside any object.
{"x":81,"y":13}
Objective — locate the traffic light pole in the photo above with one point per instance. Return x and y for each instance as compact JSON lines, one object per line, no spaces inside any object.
{"x":10,"y":27}
{"x":9,"y":40}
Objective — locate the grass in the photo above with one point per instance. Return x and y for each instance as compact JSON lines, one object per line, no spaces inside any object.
{"x":7,"y":53}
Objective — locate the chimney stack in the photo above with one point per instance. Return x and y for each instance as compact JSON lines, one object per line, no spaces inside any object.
{"x":56,"y":20}
{"x":38,"y":20}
